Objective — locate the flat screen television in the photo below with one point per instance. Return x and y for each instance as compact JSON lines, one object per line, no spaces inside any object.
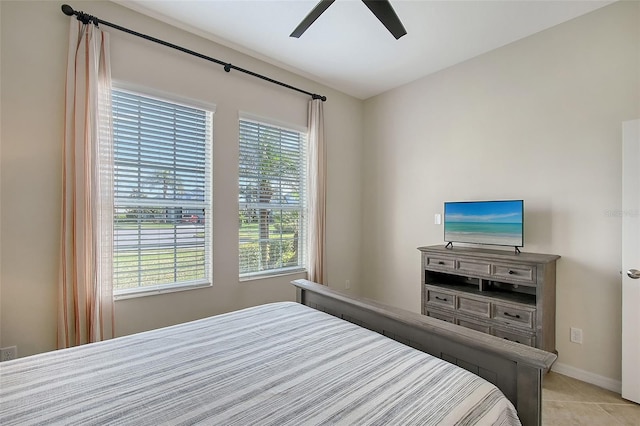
{"x":499,"y":223}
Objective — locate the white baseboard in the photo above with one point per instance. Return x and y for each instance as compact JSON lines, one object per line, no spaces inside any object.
{"x":585,"y":376}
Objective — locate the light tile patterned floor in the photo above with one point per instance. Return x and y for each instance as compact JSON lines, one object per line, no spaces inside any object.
{"x":567,"y":401}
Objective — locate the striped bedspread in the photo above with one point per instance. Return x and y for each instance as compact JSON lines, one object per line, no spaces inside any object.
{"x":275,"y":364}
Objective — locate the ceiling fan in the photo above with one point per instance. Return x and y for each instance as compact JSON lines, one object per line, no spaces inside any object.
{"x":381,"y":8}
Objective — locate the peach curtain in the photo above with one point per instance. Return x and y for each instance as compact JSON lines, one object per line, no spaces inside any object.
{"x":317,"y":192}
{"x":85,"y":311}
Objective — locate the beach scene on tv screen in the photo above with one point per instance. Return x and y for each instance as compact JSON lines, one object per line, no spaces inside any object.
{"x":491,"y":222}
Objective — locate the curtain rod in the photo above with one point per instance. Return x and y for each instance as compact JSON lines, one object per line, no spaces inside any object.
{"x":86,"y":19}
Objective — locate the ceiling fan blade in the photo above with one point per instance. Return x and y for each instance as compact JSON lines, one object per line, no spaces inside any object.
{"x":385,"y":13}
{"x":311,"y":17}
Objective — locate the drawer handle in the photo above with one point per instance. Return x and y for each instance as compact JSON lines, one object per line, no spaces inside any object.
{"x":511,"y":272}
{"x":441,"y":263}
{"x":444,"y":299}
{"x":507,"y":314}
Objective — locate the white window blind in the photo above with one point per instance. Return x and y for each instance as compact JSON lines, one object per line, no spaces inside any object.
{"x":272,"y":199}
{"x":162,"y":179}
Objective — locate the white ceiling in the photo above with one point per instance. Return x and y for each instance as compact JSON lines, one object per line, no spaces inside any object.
{"x":348,"y":49}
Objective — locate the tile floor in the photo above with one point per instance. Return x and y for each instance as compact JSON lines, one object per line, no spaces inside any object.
{"x":567,"y":401}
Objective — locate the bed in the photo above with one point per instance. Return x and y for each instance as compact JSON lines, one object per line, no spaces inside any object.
{"x":275,"y":364}
{"x":517,"y":370}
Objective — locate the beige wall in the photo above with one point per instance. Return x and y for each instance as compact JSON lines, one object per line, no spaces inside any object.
{"x":34,"y":38}
{"x":539,"y":119}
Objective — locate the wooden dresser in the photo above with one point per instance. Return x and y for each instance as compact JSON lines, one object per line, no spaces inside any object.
{"x":498,"y":292}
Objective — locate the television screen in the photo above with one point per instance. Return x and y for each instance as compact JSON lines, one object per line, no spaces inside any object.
{"x":485,"y":222}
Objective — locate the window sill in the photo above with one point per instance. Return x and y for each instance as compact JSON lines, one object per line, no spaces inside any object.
{"x":274,"y":274}
{"x":156,"y":290}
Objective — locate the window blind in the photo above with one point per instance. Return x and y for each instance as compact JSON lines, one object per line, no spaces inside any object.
{"x":272,"y":198}
{"x":162,"y":193}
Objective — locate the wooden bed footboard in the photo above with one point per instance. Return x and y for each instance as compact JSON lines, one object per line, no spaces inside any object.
{"x":515,"y":369}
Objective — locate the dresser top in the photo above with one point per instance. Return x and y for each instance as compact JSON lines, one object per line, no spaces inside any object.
{"x":490,"y":254}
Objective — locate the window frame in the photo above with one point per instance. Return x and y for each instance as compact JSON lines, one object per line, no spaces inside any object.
{"x":207,"y":281}
{"x":301,"y":267}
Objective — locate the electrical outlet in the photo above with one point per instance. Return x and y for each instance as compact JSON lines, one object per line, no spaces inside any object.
{"x":9,"y":353}
{"x":347,"y":284}
{"x":576,"y":335}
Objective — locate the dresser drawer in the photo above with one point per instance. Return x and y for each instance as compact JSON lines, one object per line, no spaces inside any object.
{"x":513,"y":315}
{"x":439,"y":298}
{"x":475,"y":307}
{"x":442,"y":316}
{"x":477,"y":267}
{"x":440,"y":262}
{"x":525,"y":339}
{"x":474,"y":326}
{"x":520,"y":273}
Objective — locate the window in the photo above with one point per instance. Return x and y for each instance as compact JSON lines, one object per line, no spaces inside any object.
{"x":162,"y":194}
{"x":271,"y":199}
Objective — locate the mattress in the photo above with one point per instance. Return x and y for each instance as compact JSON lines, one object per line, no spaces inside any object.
{"x":275,"y":364}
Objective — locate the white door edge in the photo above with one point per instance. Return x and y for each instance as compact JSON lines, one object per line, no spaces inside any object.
{"x":630,"y":259}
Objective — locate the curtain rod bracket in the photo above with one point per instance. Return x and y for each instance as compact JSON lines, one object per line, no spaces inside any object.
{"x":85,"y":18}
{"x":227,"y":67}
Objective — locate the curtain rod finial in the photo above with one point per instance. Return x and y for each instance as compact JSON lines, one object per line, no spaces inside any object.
{"x":67,"y":10}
